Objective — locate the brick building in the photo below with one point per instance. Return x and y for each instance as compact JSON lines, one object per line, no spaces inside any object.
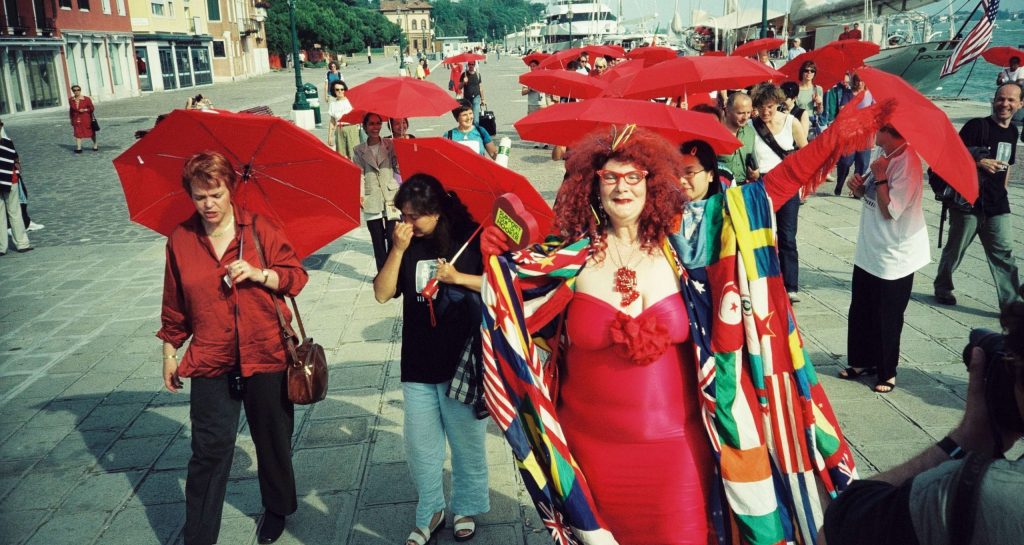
{"x":413,"y":17}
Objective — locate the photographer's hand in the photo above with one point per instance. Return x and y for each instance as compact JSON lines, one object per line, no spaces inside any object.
{"x":974,"y":433}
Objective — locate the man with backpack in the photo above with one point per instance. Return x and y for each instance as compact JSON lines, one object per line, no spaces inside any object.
{"x":992,"y":142}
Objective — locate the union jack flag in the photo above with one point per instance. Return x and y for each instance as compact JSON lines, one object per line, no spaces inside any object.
{"x":555,"y":523}
{"x":976,"y":40}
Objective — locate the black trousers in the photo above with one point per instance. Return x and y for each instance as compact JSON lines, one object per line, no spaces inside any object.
{"x":380,"y":236}
{"x":214,"y":415}
{"x":786,"y":220}
{"x":876,"y":321}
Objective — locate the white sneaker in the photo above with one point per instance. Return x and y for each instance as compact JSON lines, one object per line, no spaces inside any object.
{"x":33,"y":226}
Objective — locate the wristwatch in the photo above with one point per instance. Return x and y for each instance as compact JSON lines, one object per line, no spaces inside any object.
{"x":266,"y":275}
{"x":951,"y":448}
{"x":881,"y":182}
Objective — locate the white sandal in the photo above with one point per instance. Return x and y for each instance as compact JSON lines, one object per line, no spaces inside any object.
{"x":422,"y":536}
{"x":464,"y":523}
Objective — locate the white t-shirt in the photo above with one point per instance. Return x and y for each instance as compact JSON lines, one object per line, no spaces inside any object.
{"x":768,"y":159}
{"x":338,"y":108}
{"x":892,"y":249}
{"x":1008,"y":75}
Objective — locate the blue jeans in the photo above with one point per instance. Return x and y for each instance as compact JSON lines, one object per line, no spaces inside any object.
{"x":862,"y":160}
{"x":476,"y":109}
{"x":789,"y":259}
{"x":430,"y":416}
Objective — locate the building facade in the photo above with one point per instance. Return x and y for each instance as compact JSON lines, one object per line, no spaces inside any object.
{"x":98,"y":56}
{"x":31,"y":71}
{"x":173,"y":45}
{"x":239,"y":38}
{"x":413,"y":17}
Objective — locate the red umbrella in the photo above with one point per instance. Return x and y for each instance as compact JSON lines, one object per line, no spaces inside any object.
{"x":685,"y":75}
{"x":285,"y":173}
{"x":832,"y":61}
{"x":751,"y":48}
{"x":1000,"y":56}
{"x":464,"y":57}
{"x":477,"y":179}
{"x":535,"y":56}
{"x":562,"y":58}
{"x":396,"y":96}
{"x":652,"y":54}
{"x":927,"y":129}
{"x":713,"y":54}
{"x":566,"y":123}
{"x":855,"y":50}
{"x":622,"y":69}
{"x":563,"y":83}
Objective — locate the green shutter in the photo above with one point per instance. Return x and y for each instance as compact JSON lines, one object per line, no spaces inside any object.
{"x":213,"y":7}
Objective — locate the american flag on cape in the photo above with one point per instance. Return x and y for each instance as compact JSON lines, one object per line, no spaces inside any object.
{"x":976,"y":40}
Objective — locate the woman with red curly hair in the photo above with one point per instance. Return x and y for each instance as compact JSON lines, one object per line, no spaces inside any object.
{"x":626,"y":395}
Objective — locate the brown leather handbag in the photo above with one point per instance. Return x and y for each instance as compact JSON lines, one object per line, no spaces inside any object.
{"x":307,"y":363}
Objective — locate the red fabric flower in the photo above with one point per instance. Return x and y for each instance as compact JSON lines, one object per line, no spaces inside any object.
{"x":642,"y":339}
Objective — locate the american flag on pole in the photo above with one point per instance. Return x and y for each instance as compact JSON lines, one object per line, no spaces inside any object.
{"x":976,"y":40}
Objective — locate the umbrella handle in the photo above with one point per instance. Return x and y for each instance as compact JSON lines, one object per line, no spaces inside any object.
{"x":466,"y":244}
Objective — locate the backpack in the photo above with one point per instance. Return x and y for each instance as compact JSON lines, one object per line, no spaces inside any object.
{"x":948,"y":196}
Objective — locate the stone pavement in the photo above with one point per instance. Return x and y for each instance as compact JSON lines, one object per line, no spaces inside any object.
{"x":93,"y":451}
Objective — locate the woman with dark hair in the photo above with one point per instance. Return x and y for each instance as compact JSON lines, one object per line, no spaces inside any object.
{"x":333,"y":75}
{"x":791,"y":90}
{"x":439,"y":331}
{"x":811,"y":96}
{"x":399,"y":127}
{"x":380,"y":181}
{"x":234,"y":358}
{"x":342,"y":135}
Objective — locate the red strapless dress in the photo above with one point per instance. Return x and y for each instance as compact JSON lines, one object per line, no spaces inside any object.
{"x":635,"y":429}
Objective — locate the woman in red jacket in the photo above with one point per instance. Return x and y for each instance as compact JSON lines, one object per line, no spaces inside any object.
{"x":82,"y":112}
{"x":217,"y":293}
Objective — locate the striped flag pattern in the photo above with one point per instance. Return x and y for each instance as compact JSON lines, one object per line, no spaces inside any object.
{"x":776,"y":441}
{"x":976,"y":40}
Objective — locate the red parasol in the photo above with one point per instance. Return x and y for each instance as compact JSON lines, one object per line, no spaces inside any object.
{"x":713,"y":53}
{"x":563,"y":83}
{"x":751,"y":48}
{"x":562,"y":58}
{"x":535,"y":56}
{"x":401,"y":97}
{"x":464,"y":57}
{"x":477,"y":179}
{"x":1000,"y":56}
{"x":652,"y":54}
{"x":855,"y":51}
{"x":565,"y":124}
{"x":927,"y":129}
{"x":686,"y":75}
{"x":285,"y":174}
{"x":832,"y":61}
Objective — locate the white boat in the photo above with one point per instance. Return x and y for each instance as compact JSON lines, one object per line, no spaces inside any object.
{"x":570,"y":23}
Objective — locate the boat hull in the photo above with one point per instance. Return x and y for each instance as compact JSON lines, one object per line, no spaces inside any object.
{"x":919,"y":64}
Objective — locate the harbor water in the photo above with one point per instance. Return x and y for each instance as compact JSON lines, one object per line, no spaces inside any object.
{"x":979,"y":83}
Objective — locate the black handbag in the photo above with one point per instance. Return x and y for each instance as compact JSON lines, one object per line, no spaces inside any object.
{"x":488,"y":122}
{"x":95,"y":124}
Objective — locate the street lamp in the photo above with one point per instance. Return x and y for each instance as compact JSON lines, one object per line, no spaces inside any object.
{"x":401,"y":42}
{"x":569,"y":13}
{"x":302,"y":114}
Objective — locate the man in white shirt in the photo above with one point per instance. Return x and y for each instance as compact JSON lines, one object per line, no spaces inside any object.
{"x":795,"y":49}
{"x":1011,"y":74}
{"x":892,"y":244}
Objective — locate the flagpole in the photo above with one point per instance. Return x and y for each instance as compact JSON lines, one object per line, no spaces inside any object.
{"x":967,"y":20}
{"x":968,"y":78}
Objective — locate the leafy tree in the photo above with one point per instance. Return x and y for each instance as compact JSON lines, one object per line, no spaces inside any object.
{"x":334,"y":24}
{"x":483,"y":18}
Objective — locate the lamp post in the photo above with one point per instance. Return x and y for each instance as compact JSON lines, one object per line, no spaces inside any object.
{"x":302,"y":114}
{"x":401,"y":42}
{"x":569,"y":13}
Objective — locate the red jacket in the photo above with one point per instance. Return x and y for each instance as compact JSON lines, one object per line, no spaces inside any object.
{"x":198,"y":304}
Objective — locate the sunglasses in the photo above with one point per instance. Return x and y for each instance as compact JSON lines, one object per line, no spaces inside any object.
{"x":632,"y":177}
{"x":808,"y":71}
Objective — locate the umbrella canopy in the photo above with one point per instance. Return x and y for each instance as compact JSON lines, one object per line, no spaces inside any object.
{"x":285,"y":173}
{"x":535,"y":56}
{"x":832,"y":61}
{"x":652,"y":54}
{"x":751,"y":48}
{"x":685,"y":75}
{"x":395,"y":96}
{"x":477,"y":179}
{"x":562,"y":58}
{"x":855,"y":51}
{"x":464,"y":57}
{"x":566,"y":123}
{"x":1000,"y":56}
{"x":563,"y":83}
{"x":927,"y":129}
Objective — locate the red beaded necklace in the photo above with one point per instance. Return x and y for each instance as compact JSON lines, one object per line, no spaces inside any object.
{"x":625,"y":277}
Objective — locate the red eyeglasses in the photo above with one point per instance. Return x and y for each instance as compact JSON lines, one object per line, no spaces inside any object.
{"x":632,"y":177}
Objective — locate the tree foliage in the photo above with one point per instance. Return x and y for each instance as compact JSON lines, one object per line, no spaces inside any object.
{"x":342,"y":26}
{"x":481,"y":19}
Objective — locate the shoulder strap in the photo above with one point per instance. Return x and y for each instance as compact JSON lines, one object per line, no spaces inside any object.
{"x":766,"y":135}
{"x":280,"y":316}
{"x":449,"y":134}
{"x":962,"y":505}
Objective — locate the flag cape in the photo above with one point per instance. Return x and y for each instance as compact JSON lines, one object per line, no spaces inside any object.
{"x":779,"y":451}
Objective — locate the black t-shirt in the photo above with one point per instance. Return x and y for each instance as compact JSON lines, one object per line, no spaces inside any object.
{"x":430,"y":354}
{"x":471,"y":84}
{"x":992,"y":199}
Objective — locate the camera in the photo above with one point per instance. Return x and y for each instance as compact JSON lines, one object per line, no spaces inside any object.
{"x":999,"y":379}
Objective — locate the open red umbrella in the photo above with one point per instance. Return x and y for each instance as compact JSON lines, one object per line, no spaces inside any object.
{"x":285,"y":173}
{"x":563,"y":83}
{"x":652,"y":54}
{"x":1000,"y":56}
{"x":751,"y":48}
{"x":686,"y":75}
{"x":562,"y":58}
{"x":566,"y":123}
{"x":464,"y":57}
{"x":476,"y":179}
{"x":396,"y":96}
{"x":832,"y":61}
{"x":535,"y":56}
{"x":927,"y":129}
{"x":855,"y":51}
{"x":622,"y":69}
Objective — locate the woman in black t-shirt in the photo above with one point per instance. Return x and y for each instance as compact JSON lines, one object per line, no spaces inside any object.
{"x":436,"y":334}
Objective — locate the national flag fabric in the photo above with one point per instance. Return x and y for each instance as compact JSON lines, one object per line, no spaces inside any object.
{"x":776,"y":442}
{"x":972,"y":45}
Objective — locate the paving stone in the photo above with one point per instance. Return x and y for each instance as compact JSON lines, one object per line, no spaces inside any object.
{"x":78,"y":450}
{"x":341,"y":403}
{"x":26,"y":495}
{"x":353,"y":377}
{"x":111,"y":417}
{"x":62,"y":526}
{"x":243,"y":500}
{"x":321,"y":518}
{"x":33,"y":445}
{"x":152,"y":525}
{"x":339,"y":469}
{"x":159,"y":487}
{"x":134,"y":453}
{"x":334,"y":432}
{"x":19,"y":525}
{"x":102,"y":492}
{"x":165,"y":420}
{"x":388,"y":483}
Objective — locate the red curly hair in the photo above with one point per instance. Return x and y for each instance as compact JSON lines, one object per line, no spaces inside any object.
{"x":578,"y":201}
